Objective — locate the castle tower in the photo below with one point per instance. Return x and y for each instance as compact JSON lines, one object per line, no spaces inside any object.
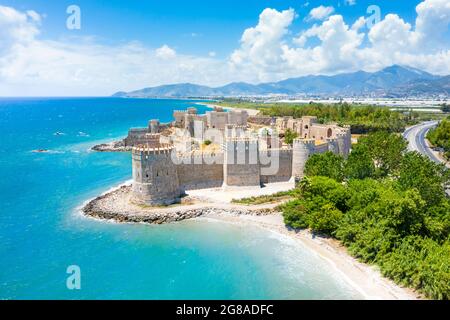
{"x":241,"y":162}
{"x":302,"y":149}
{"x":342,"y":141}
{"x":155,"y":180}
{"x":153,"y":126}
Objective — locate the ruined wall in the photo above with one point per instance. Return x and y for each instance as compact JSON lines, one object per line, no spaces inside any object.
{"x":200,"y":172}
{"x":260,"y":120}
{"x":217,"y":120}
{"x":241,"y":163}
{"x":238,"y":118}
{"x":179,"y":116}
{"x":284,"y":172}
{"x":153,"y":126}
{"x":322,"y":132}
{"x":141,"y":136}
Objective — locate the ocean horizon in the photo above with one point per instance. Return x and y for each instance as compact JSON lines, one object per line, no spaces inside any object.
{"x":42,"y":230}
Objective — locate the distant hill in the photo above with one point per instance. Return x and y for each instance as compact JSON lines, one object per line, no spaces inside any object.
{"x":394,"y":81}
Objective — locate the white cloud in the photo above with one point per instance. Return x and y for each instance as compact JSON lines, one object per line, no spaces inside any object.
{"x":17,"y":28}
{"x":165,"y":52}
{"x":320,"y":13}
{"x":267,"y":52}
{"x":34,"y":16}
{"x":212,"y":53}
{"x":340,"y":47}
{"x":260,"y":52}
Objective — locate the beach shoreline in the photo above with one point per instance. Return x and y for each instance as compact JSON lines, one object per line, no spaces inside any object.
{"x":116,"y":205}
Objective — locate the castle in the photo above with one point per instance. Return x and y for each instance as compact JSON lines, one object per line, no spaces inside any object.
{"x":166,"y":163}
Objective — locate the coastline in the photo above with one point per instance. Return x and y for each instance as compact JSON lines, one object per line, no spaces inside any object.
{"x":114,"y":205}
{"x":366,"y":279}
{"x":251,"y":112}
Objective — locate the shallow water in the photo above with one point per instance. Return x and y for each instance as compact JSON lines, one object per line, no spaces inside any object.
{"x":42,"y":233}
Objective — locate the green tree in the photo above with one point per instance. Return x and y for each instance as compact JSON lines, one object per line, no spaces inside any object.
{"x":326,"y":219}
{"x":429,"y":178}
{"x":289,"y":136}
{"x":386,"y":150}
{"x":327,"y":165}
{"x":440,"y":136}
{"x":359,"y":164}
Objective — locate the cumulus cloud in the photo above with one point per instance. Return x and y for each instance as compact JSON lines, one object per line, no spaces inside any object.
{"x":17,"y":28}
{"x":165,"y":52}
{"x":268,"y":51}
{"x":320,"y":13}
{"x":261,"y":50}
{"x":343,"y":47}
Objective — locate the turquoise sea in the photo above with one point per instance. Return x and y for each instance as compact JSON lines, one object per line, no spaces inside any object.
{"x":42,"y":232}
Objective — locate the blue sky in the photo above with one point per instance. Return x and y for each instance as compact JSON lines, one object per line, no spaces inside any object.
{"x":125,"y":45}
{"x":195,"y":27}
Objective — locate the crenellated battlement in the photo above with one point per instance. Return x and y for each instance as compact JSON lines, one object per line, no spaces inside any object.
{"x":242,"y":139}
{"x":147,"y":150}
{"x":304,"y":142}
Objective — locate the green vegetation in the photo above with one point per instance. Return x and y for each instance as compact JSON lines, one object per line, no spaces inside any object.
{"x":328,"y":165}
{"x":277,"y":197}
{"x":361,"y":118}
{"x":289,"y":136}
{"x":387,"y":206}
{"x":207,"y":142}
{"x":440,"y":136}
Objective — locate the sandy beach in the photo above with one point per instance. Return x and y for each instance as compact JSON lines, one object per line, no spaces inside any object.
{"x":116,"y":204}
{"x":367,"y":280}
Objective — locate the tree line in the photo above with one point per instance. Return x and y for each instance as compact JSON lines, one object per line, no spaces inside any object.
{"x":361,"y":118}
{"x":386,"y":205}
{"x":440,"y":136}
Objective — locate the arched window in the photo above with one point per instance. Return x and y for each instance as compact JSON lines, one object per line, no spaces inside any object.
{"x":329,"y":133}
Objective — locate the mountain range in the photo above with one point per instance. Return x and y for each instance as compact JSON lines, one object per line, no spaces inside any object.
{"x":392,"y":82}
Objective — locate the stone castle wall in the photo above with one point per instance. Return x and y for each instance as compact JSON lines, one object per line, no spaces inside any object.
{"x":141,"y":136}
{"x":200,"y":172}
{"x":241,"y":163}
{"x":284,"y":172}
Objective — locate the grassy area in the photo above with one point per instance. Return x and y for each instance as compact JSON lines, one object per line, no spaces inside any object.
{"x":276,"y":197}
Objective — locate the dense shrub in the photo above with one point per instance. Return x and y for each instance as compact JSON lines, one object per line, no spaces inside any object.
{"x":386,"y":205}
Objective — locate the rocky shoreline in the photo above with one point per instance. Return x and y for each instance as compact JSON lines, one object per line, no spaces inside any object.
{"x":117,"y":205}
{"x":115,"y":146}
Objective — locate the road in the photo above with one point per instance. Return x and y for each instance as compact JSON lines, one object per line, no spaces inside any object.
{"x":416,"y":136}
